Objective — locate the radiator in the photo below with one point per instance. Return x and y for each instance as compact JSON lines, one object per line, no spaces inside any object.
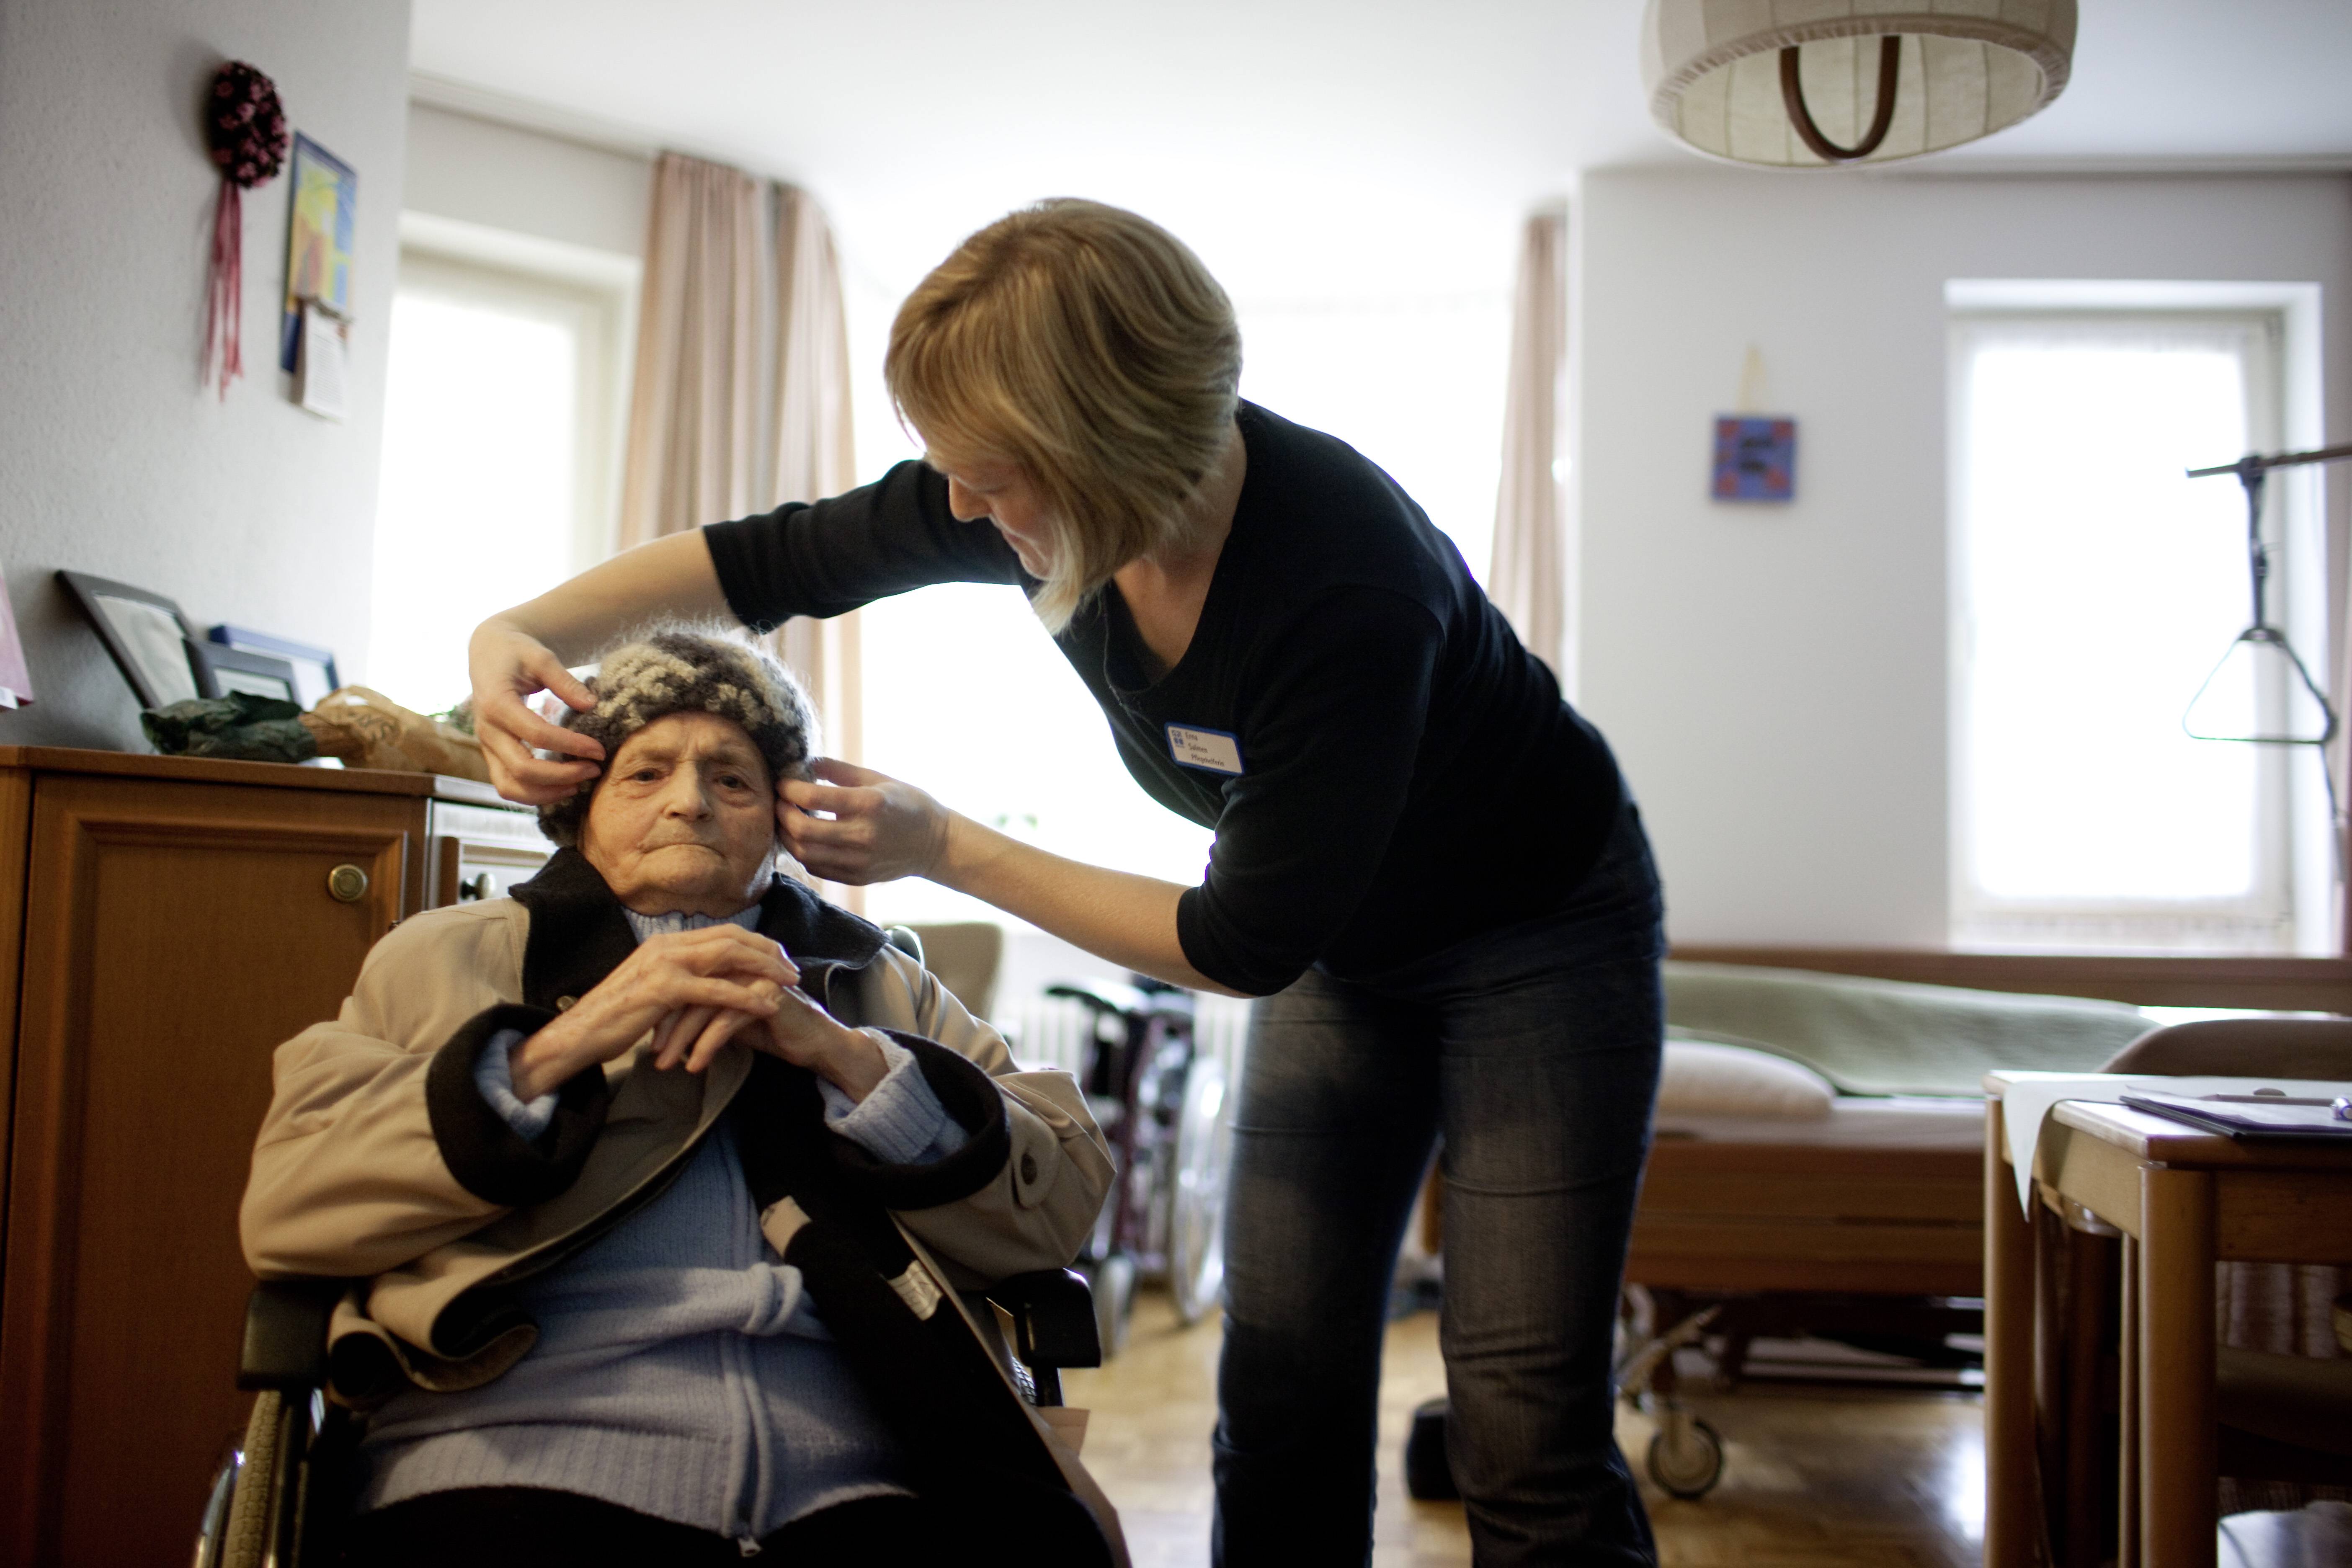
{"x":1047,"y":1032}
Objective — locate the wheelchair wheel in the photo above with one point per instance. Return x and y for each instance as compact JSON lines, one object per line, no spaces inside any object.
{"x":1196,"y":1195}
{"x":1686,"y":1457}
{"x":256,"y":1505}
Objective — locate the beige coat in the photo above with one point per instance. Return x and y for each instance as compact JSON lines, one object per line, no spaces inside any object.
{"x":348,"y":1180}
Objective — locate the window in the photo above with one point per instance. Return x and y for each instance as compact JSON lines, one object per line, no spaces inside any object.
{"x":2096,"y":588}
{"x":964,"y":695}
{"x":500,"y":453}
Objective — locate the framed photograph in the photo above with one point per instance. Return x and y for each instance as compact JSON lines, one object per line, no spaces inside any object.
{"x":146,"y":634}
{"x":15,"y":675}
{"x":314,"y":668}
{"x":221,"y":670}
{"x":325,"y":193}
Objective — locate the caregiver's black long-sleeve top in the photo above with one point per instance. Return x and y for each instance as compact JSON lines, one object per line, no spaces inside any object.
{"x":1409,"y":776}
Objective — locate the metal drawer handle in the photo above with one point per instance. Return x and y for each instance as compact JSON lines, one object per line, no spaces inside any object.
{"x":348,"y":883}
{"x":481,"y":887}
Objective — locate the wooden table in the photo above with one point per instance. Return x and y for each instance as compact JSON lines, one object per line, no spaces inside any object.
{"x":2184,"y":1200}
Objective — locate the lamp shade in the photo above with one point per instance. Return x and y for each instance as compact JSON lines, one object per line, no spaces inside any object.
{"x":1797,"y":83}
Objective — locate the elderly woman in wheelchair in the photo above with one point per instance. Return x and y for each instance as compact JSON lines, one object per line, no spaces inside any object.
{"x":658,"y":1184}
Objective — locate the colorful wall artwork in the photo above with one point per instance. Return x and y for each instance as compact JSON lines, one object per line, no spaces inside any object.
{"x":1755,"y":457}
{"x":318,"y":240}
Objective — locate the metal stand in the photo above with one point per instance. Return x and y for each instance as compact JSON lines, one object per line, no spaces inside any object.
{"x":2252,"y":471}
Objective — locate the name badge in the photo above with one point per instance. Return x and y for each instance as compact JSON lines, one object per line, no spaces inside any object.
{"x":1215,"y":751}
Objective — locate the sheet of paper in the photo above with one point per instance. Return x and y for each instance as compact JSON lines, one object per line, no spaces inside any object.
{"x":2027,"y":1098}
{"x":323,"y":364}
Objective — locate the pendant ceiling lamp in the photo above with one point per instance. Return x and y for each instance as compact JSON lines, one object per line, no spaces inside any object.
{"x":1811,"y":84}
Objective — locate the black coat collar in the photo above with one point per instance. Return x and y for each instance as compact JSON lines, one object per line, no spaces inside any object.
{"x":579,"y":933}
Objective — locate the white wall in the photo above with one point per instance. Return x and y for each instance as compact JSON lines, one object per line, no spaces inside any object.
{"x":1774,"y":678}
{"x":113,"y":460}
{"x":522,"y":182}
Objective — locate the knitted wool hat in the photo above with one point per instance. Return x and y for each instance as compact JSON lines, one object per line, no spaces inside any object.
{"x":677,"y":669}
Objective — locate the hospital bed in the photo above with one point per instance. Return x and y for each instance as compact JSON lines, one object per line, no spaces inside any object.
{"x":1825,"y":1132}
{"x":1817,"y":1172}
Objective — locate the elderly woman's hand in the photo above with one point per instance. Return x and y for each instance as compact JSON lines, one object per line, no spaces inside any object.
{"x":805,"y":1035}
{"x":799,"y":1031}
{"x":723,"y":976}
{"x":508,"y":668}
{"x":879,"y":829}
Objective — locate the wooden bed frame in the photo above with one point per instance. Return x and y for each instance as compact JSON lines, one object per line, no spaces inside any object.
{"x":1790,"y":1217}
{"x":1783,"y":1216}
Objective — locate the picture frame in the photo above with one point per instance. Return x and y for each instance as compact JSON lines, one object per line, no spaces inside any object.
{"x":221,"y":669}
{"x":146,"y":634}
{"x":322,"y":192}
{"x":1755,"y":457}
{"x":314,"y":668}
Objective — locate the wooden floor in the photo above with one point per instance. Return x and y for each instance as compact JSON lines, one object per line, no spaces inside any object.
{"x":1815,"y":1479}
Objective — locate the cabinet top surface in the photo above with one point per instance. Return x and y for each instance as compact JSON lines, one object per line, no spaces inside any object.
{"x":267,"y":775}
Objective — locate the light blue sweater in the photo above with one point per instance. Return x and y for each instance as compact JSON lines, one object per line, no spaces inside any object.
{"x":679,"y":1371}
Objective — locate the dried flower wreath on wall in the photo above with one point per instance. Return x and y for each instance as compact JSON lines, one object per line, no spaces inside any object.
{"x":245,"y":126}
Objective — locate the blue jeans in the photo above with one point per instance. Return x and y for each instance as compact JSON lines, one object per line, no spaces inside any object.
{"x":1533,"y":1052}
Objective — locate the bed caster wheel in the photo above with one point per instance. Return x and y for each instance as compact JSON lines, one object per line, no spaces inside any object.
{"x":1428,"y":1475}
{"x":1686,"y":1457}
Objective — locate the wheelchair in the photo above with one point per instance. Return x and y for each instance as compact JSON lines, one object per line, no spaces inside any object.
{"x":1166,"y":1108}
{"x":285,"y":1489}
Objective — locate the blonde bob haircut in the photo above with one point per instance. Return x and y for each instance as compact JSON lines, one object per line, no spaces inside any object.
{"x":1088,"y":346}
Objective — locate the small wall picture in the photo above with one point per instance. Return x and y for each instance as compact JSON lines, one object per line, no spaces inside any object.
{"x":1755,"y":457}
{"x":325,"y":194}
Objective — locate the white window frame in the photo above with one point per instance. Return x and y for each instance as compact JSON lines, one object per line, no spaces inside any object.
{"x":2295,"y":905}
{"x":596,"y":291}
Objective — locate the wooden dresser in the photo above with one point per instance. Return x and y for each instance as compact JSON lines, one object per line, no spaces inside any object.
{"x":164,"y":923}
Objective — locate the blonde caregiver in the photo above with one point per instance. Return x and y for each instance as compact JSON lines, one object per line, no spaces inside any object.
{"x":1425,"y":861}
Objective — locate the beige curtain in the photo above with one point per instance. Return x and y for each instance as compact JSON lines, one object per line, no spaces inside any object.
{"x":814,"y":454}
{"x":742,"y":398}
{"x":1527,"y":578}
{"x":695,"y":426}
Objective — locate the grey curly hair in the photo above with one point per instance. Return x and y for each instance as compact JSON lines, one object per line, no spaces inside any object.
{"x":680,"y":668}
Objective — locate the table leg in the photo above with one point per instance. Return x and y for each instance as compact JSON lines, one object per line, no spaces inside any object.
{"x":2176,"y":1368}
{"x":2048,"y":1368}
{"x":2128,"y":1424}
{"x":2087,"y":1321}
{"x":2010,"y":1528}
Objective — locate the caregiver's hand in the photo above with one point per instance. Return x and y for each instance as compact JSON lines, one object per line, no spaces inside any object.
{"x":508,"y":667}
{"x":877,"y":830}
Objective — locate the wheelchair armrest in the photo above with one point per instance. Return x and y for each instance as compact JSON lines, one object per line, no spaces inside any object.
{"x":286,"y":1333}
{"x":1052,"y":1313}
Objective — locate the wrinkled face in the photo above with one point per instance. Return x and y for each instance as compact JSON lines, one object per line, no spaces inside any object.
{"x":1002,"y":493}
{"x":684,"y":820}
